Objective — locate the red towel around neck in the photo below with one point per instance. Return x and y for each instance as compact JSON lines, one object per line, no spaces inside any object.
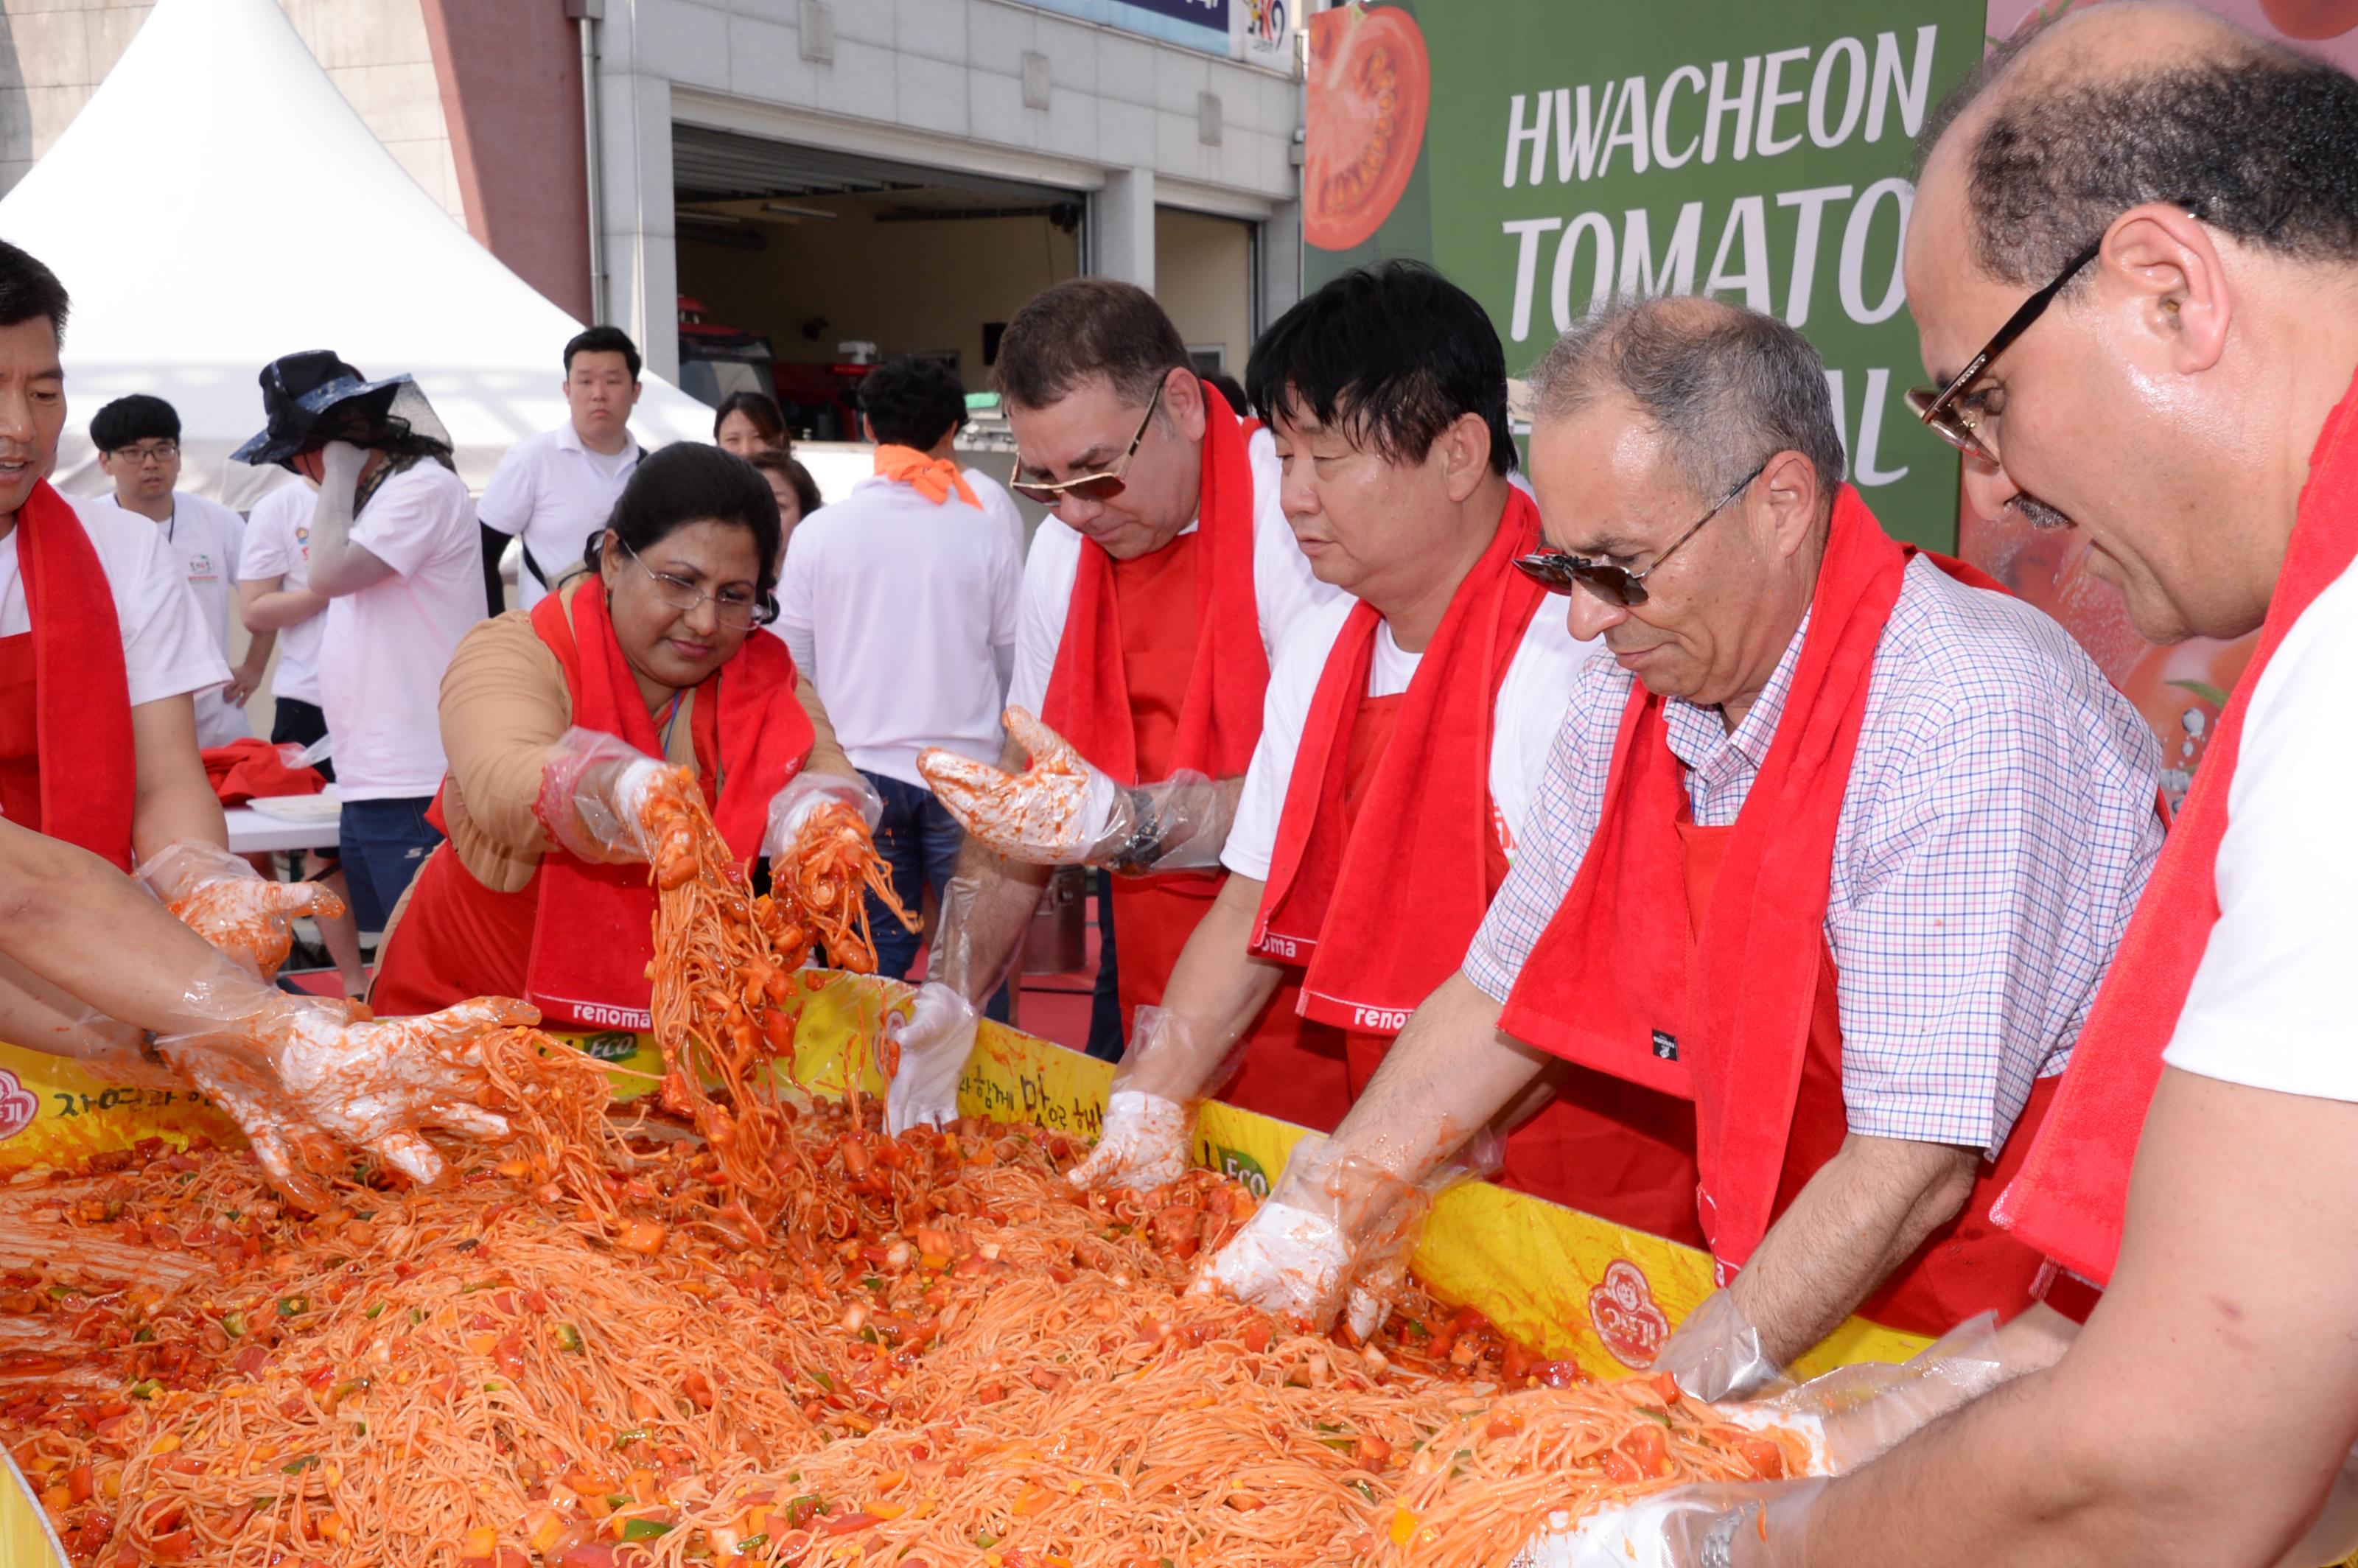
{"x":89,"y":762}
{"x":2071,"y":1198}
{"x":1617,"y":982}
{"x":1088,"y":695}
{"x":1411,"y":876}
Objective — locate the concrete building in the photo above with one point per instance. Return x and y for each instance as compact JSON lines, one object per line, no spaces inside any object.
{"x":815,"y":173}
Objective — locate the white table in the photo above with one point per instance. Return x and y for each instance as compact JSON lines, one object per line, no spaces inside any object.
{"x":253,"y":832}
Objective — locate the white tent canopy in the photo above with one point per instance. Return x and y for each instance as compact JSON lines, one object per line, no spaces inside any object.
{"x":284,"y":225}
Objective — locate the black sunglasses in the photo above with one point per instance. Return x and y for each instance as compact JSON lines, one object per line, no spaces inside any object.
{"x":1556,"y":571}
{"x":1937,"y":408}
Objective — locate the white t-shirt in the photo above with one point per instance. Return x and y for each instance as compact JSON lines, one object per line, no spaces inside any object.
{"x":279,"y":544}
{"x":1284,"y":587}
{"x":385,"y":648}
{"x":2272,"y":1003}
{"x":167,"y":649}
{"x":906,"y":612}
{"x":1530,"y":711}
{"x":993,"y":498}
{"x":556,"y":493}
{"x":207,"y":539}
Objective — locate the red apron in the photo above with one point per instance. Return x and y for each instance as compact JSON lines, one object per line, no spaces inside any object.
{"x":1293,"y":1070}
{"x":1967,"y":1266}
{"x":81,"y":714}
{"x":456,"y":939}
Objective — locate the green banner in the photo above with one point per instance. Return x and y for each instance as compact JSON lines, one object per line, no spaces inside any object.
{"x":1550,"y":157}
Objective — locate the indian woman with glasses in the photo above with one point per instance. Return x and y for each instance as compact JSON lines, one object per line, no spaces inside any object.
{"x":556,"y":721}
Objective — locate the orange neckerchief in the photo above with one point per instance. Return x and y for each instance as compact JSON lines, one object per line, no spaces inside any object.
{"x":936,"y":479}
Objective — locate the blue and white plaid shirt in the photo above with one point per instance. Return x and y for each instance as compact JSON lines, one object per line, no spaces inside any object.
{"x":1998,"y":827}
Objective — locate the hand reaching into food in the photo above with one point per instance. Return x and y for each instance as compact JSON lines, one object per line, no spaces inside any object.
{"x":225,"y":900}
{"x":1713,"y":1525}
{"x":1175,"y":1061}
{"x":600,"y":795}
{"x":822,"y":850}
{"x":926,"y":1051}
{"x":1143,"y":1143}
{"x":308,"y":1082}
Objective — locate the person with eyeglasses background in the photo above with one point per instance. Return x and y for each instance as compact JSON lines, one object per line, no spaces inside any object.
{"x":899,"y":602}
{"x":138,"y":442}
{"x":557,"y":721}
{"x":1829,"y":856}
{"x":1404,"y":735}
{"x":1150,"y":608}
{"x":2187,"y":408}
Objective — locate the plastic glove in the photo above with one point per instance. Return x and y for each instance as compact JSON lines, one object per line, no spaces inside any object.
{"x":1717,"y":1353}
{"x":1288,"y":1261}
{"x":594,"y":793}
{"x":1866,"y":1409}
{"x":304,"y":1080}
{"x":1143,"y":1143}
{"x":1057,"y":812}
{"x":222,"y":898}
{"x":1763,"y":1525}
{"x":792,"y":807}
{"x":931,"y":1044}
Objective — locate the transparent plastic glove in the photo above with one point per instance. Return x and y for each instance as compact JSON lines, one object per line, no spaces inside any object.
{"x":792,"y":807}
{"x":1143,"y":1145}
{"x":1288,"y":1261}
{"x":306,"y":1082}
{"x":1720,"y":1525}
{"x":222,"y":898}
{"x":929,"y":1045}
{"x":1717,"y":1353}
{"x":1175,"y":1062}
{"x":1054,"y":813}
{"x":594,"y":795}
{"x":1872,"y":1406}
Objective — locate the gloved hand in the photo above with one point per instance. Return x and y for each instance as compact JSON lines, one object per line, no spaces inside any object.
{"x":805,"y":793}
{"x":225,"y":900}
{"x":594,"y":793}
{"x":1287,"y":1261}
{"x":1872,"y":1406}
{"x":305,"y":1081}
{"x":1142,"y":1145}
{"x":927,"y":1049}
{"x":1057,"y":812}
{"x":1715,"y":1525}
{"x":1717,"y":1353}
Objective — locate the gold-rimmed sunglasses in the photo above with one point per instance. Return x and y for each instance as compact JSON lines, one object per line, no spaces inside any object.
{"x":1557,"y":572}
{"x":1102,"y":485}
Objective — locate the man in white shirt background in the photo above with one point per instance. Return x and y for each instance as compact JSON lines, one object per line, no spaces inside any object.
{"x":393,"y":550}
{"x":555,"y":489}
{"x":275,"y":598}
{"x":138,"y":442}
{"x":899,"y":602}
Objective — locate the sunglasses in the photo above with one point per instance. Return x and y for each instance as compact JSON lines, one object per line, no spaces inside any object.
{"x":1102,"y":485}
{"x":1557,"y":572}
{"x":1940,"y":408}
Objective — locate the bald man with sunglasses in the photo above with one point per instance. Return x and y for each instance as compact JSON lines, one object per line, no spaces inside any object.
{"x":1152,"y":605}
{"x":1835,"y":845}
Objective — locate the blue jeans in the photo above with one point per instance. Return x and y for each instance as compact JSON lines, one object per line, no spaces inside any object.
{"x":383,"y":843}
{"x":919,"y":841}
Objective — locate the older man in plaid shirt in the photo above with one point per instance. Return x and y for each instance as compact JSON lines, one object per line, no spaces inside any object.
{"x":1835,"y":846}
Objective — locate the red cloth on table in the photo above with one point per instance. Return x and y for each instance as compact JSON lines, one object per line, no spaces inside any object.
{"x":250,"y":769}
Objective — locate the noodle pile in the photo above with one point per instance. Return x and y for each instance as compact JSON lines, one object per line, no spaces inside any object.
{"x":793,"y":1341}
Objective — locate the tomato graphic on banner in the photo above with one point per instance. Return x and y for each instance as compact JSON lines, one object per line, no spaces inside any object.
{"x":1370,"y":84}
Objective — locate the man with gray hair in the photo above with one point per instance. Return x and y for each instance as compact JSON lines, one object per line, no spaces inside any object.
{"x":2133,"y":267}
{"x":1835,"y":845}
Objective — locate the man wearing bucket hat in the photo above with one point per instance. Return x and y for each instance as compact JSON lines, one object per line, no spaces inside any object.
{"x":394,"y":553}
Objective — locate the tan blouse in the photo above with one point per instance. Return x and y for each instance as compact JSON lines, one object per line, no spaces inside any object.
{"x":503,"y":708}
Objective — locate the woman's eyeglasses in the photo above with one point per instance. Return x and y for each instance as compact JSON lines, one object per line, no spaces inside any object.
{"x":1102,"y":485}
{"x":1557,"y":572}
{"x":734,"y":608}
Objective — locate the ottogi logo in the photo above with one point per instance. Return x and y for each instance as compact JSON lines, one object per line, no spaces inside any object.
{"x":612,"y":1045}
{"x":18,"y":1106}
{"x":1241,"y":1167}
{"x":1622,"y":1309}
{"x":1666,"y":1047}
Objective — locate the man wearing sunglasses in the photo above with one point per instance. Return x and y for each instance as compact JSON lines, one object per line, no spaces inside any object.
{"x":1149,"y":611}
{"x":2187,"y":402}
{"x":1404,"y":736}
{"x":1835,"y":846}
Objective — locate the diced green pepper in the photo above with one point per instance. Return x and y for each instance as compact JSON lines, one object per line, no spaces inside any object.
{"x":643,"y":1530}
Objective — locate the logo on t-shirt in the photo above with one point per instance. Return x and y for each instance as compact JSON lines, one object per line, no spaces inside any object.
{"x":201,"y":570}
